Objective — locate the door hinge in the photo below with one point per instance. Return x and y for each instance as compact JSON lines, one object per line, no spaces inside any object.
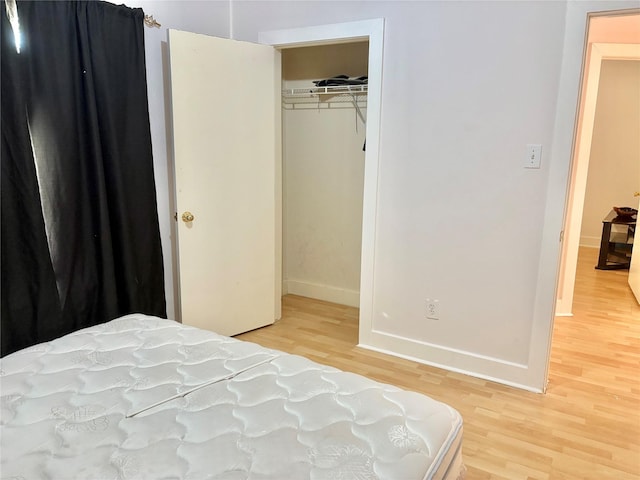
{"x":561,"y":235}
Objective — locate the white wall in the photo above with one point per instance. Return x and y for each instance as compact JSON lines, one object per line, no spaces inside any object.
{"x":323,"y":175}
{"x":466,"y":85}
{"x":614,"y":164}
{"x":323,"y":165}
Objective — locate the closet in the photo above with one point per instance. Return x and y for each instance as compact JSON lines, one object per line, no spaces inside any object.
{"x":323,"y":171}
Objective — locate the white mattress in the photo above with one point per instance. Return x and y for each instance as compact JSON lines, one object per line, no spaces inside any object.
{"x":142,"y":397}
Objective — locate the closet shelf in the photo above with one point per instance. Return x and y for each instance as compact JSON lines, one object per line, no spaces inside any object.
{"x":331,"y":90}
{"x":337,"y":93}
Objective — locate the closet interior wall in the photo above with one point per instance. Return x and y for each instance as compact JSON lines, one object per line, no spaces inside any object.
{"x":323,"y":175}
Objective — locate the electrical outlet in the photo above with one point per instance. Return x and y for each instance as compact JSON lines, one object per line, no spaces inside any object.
{"x":433,"y":309}
{"x":532,"y":158}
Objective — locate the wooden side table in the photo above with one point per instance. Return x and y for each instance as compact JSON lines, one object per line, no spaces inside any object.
{"x":615,"y":247}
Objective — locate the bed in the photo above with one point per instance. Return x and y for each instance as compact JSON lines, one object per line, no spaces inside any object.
{"x":142,"y":397}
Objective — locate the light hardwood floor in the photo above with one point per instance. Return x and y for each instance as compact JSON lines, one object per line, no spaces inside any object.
{"x":587,"y":425}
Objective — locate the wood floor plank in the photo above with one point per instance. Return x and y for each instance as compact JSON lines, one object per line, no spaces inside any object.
{"x":587,"y":425}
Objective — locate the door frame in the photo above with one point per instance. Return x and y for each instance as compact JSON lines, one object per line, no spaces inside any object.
{"x":373,"y":30}
{"x":580,"y":167}
{"x":557,"y":197}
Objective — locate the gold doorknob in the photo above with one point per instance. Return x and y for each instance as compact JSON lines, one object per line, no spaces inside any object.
{"x":187,"y":217}
{"x":636,"y":194}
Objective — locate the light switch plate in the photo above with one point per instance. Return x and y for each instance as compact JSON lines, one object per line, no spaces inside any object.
{"x":532,"y":158}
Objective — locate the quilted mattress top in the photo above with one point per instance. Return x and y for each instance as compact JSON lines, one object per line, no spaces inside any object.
{"x":142,"y":397}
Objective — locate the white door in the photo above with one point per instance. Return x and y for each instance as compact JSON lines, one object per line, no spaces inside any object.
{"x":634,"y":268}
{"x":226,"y":143}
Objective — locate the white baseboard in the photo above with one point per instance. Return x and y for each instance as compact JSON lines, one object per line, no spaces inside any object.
{"x":327,"y":293}
{"x":592,"y":242}
{"x":480,"y":366}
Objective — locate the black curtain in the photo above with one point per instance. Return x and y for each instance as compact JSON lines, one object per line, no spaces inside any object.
{"x":80,"y":239}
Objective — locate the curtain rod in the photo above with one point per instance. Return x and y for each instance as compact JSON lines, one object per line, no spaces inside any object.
{"x":151,"y":22}
{"x":12,"y":15}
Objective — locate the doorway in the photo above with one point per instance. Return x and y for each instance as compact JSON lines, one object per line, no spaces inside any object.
{"x":370,"y":31}
{"x":610,"y":36}
{"x":323,"y":155}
